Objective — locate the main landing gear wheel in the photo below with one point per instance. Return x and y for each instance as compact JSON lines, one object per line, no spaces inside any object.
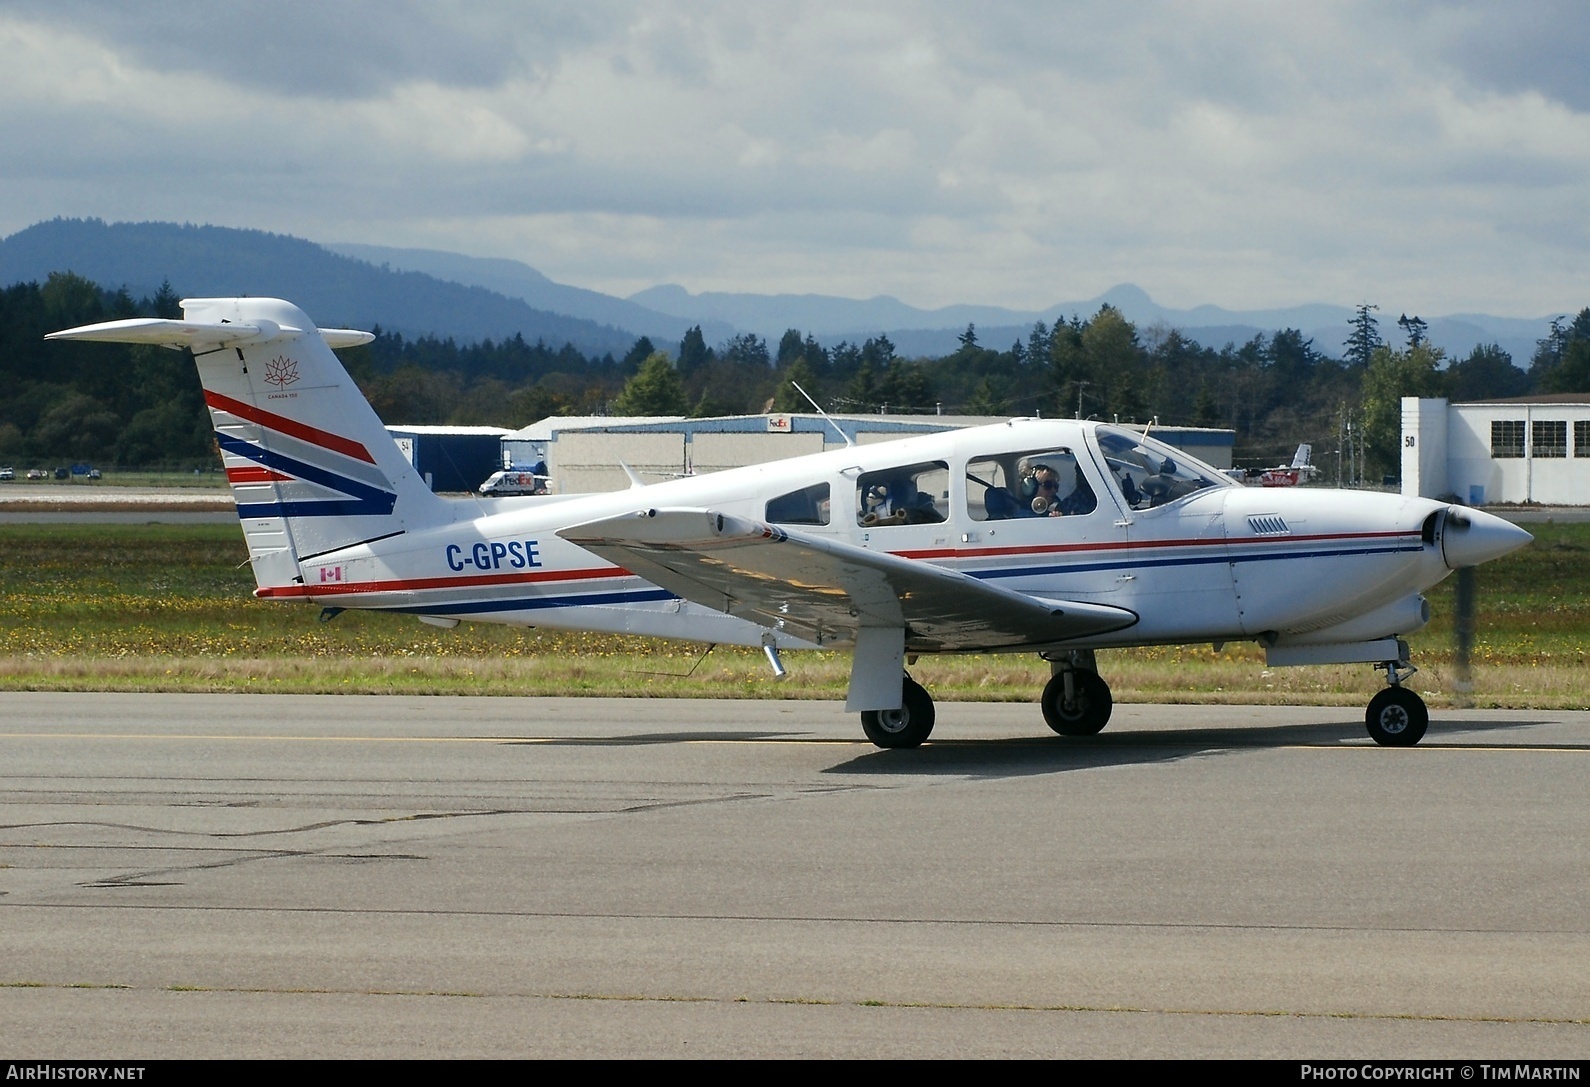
{"x":1088,"y":709}
{"x":907,"y":726}
{"x":1397,"y":717}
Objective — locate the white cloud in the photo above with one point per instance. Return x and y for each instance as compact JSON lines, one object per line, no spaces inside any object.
{"x":1246,"y":154}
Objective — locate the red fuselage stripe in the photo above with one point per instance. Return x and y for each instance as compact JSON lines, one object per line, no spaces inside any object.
{"x":592,"y":574}
{"x":302,"y":431}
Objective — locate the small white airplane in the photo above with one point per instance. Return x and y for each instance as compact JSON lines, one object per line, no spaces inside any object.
{"x":1282,"y":475}
{"x":1039,"y":536}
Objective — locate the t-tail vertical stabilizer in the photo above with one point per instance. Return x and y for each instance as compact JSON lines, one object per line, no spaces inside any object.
{"x":310,"y":464}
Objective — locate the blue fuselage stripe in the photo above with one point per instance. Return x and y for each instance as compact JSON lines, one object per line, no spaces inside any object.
{"x":366,"y":500}
{"x":1191,"y":560}
{"x":476,"y":607}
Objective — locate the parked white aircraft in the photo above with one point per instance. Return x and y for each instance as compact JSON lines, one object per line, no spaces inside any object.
{"x":1048,"y":537}
{"x":1282,"y":475}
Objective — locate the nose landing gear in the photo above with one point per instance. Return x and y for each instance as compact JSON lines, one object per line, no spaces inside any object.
{"x":1397,"y":716}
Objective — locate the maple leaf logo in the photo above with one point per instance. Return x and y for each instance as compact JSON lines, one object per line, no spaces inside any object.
{"x":281,"y":372}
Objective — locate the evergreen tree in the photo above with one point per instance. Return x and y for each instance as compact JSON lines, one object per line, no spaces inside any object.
{"x":1364,"y":338}
{"x":165,"y":303}
{"x":1487,"y":374}
{"x":1551,"y":353}
{"x":790,"y":348}
{"x":710,"y":405}
{"x":878,"y":352}
{"x":1573,"y":374}
{"x":1068,"y":370}
{"x":654,"y":390}
{"x":815,"y":355}
{"x":788,"y":398}
{"x":693,"y":351}
{"x":746,"y":349}
{"x":638,"y":354}
{"x":1113,"y":362}
{"x":906,"y":389}
{"x":862,"y":390}
{"x":1038,"y":344}
{"x":1292,"y":358}
{"x":1414,"y":328}
{"x":985,"y":400}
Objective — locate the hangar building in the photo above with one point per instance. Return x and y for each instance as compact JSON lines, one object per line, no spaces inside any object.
{"x":1527,"y":449}
{"x":451,"y":458}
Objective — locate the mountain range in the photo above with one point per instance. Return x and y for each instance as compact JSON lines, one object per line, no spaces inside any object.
{"x":424,"y":291}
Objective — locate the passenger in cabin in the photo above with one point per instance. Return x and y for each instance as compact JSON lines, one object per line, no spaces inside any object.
{"x":1039,"y":486}
{"x":899,"y":502}
{"x":1041,"y":491}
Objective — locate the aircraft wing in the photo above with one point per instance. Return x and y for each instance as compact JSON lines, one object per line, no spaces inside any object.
{"x":823,"y":590}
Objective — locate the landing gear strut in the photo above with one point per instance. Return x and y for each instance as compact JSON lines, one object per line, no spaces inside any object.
{"x":1076,"y":702}
{"x":907,"y":726}
{"x":1397,"y":716}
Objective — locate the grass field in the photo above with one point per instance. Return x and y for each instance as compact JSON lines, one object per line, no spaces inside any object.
{"x":168,"y":608}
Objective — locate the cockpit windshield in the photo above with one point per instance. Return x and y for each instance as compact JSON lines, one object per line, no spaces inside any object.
{"x":1150,"y":473}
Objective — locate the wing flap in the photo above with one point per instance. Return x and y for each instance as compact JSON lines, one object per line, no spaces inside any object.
{"x":824,"y":590}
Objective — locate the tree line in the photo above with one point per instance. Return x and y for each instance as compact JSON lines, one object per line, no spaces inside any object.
{"x":142,"y":406}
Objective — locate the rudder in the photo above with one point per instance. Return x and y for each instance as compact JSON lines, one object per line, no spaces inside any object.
{"x":311,"y":466}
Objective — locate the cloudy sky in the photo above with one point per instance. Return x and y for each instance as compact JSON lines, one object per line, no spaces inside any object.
{"x":1431,"y":157}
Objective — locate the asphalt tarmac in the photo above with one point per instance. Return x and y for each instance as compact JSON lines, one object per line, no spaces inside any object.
{"x":197,"y":875}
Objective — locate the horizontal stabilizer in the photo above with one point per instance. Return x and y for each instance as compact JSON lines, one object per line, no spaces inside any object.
{"x":825,"y":590}
{"x":202,"y":336}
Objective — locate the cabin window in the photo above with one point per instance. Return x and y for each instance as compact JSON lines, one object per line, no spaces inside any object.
{"x":1581,"y":438}
{"x":914,"y":494}
{"x":1041,"y":483}
{"x":1507,"y":438}
{"x":807,"y":506}
{"x":1150,"y":473}
{"x":1549,"y":438}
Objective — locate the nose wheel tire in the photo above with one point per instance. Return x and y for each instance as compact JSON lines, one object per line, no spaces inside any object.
{"x":1397,"y":718}
{"x":1089,"y":708}
{"x":907,"y":726}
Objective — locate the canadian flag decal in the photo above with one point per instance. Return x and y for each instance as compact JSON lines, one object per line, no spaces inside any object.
{"x":330,"y":573}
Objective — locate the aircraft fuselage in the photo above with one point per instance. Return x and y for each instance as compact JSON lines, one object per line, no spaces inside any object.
{"x":1220,"y":563}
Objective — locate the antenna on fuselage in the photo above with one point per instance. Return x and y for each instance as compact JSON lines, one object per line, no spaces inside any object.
{"x":838,"y":429}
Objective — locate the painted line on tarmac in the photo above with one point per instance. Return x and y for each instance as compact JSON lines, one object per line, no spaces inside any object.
{"x":570,"y":741}
{"x":806,"y":1001}
{"x":1038,"y":742}
{"x":816,"y":920}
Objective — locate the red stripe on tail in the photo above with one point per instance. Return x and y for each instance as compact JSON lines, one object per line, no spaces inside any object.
{"x":254,"y":473}
{"x":303,"y":431}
